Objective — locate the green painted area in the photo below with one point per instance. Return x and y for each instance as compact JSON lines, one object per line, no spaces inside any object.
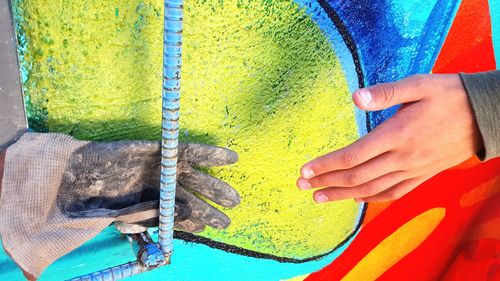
{"x":258,"y":77}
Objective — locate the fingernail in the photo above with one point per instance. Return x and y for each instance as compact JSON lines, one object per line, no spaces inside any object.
{"x":320,"y":198}
{"x":307,"y":173}
{"x":366,"y":96}
{"x":303,"y":184}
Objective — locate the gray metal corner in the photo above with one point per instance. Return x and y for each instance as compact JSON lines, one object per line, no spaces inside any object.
{"x":12,"y":112}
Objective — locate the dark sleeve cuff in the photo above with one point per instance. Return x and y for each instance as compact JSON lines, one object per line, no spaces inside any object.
{"x":483,"y":90}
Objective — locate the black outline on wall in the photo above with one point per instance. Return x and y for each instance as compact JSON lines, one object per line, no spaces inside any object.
{"x":188,"y":237}
{"x":351,"y":45}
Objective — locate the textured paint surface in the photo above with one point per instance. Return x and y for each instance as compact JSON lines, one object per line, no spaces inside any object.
{"x":190,"y":262}
{"x":396,"y":246}
{"x":259,"y":78}
{"x":394,"y":39}
{"x":319,"y":52}
{"x":471,"y":19}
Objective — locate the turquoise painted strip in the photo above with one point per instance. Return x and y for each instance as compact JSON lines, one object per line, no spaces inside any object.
{"x":190,"y":262}
{"x":495,"y":28}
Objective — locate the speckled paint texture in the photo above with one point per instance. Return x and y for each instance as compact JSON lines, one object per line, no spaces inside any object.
{"x":268,"y":79}
{"x":394,"y":39}
{"x":259,"y":77}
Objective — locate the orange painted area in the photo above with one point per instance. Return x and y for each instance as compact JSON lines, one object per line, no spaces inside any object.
{"x":396,"y":246}
{"x":487,"y":221}
{"x":470,"y":163}
{"x":373,"y":210}
{"x":483,"y":192}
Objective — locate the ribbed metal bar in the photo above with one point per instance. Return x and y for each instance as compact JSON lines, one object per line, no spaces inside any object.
{"x":113,"y":273}
{"x":172,"y":49}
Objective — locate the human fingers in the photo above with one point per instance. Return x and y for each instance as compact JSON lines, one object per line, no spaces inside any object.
{"x":210,"y":187}
{"x":182,"y":211}
{"x":364,"y":190}
{"x":202,"y":211}
{"x":358,"y":175}
{"x":395,"y":192}
{"x":375,"y":143}
{"x":204,"y":155}
{"x":385,"y":95}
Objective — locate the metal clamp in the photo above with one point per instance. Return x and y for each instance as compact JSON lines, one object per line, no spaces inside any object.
{"x":148,"y":252}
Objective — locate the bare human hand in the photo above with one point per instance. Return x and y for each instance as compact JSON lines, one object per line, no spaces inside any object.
{"x":433,"y":130}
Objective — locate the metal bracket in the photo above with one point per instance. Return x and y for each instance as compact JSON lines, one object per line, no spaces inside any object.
{"x":13,"y":121}
{"x":148,"y":252}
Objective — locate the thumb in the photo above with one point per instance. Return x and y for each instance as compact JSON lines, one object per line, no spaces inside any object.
{"x":385,"y":95}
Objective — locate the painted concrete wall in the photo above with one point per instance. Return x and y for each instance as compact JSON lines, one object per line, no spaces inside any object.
{"x":268,"y":79}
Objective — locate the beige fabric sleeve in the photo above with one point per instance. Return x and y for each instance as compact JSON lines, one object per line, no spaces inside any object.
{"x":33,"y":229}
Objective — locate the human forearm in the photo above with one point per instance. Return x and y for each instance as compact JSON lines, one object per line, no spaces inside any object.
{"x":483,"y":90}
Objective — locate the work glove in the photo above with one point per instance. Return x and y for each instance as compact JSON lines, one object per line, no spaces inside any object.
{"x":112,"y":179}
{"x":58,"y":192}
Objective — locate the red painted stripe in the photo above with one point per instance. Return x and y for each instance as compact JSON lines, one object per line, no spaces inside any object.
{"x":468,"y":46}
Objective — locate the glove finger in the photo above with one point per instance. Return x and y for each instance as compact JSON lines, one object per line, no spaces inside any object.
{"x":204,"y":155}
{"x":182,"y":209}
{"x":127,"y":228}
{"x":189,"y":225}
{"x":211,"y":188}
{"x":203,"y":212}
{"x":153,"y":222}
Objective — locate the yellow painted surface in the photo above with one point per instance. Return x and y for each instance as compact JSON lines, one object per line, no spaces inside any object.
{"x":298,"y":278}
{"x":396,"y":246}
{"x":258,"y":77}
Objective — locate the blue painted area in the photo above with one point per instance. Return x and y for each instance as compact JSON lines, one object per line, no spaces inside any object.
{"x":395,"y":39}
{"x":190,"y":262}
{"x":495,"y":26}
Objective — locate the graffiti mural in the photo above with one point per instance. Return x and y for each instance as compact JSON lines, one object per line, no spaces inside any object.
{"x":457,"y":204}
{"x":272,"y":81}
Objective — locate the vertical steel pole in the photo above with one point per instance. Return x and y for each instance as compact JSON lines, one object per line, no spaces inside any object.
{"x":172,"y":44}
{"x":172,"y":47}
